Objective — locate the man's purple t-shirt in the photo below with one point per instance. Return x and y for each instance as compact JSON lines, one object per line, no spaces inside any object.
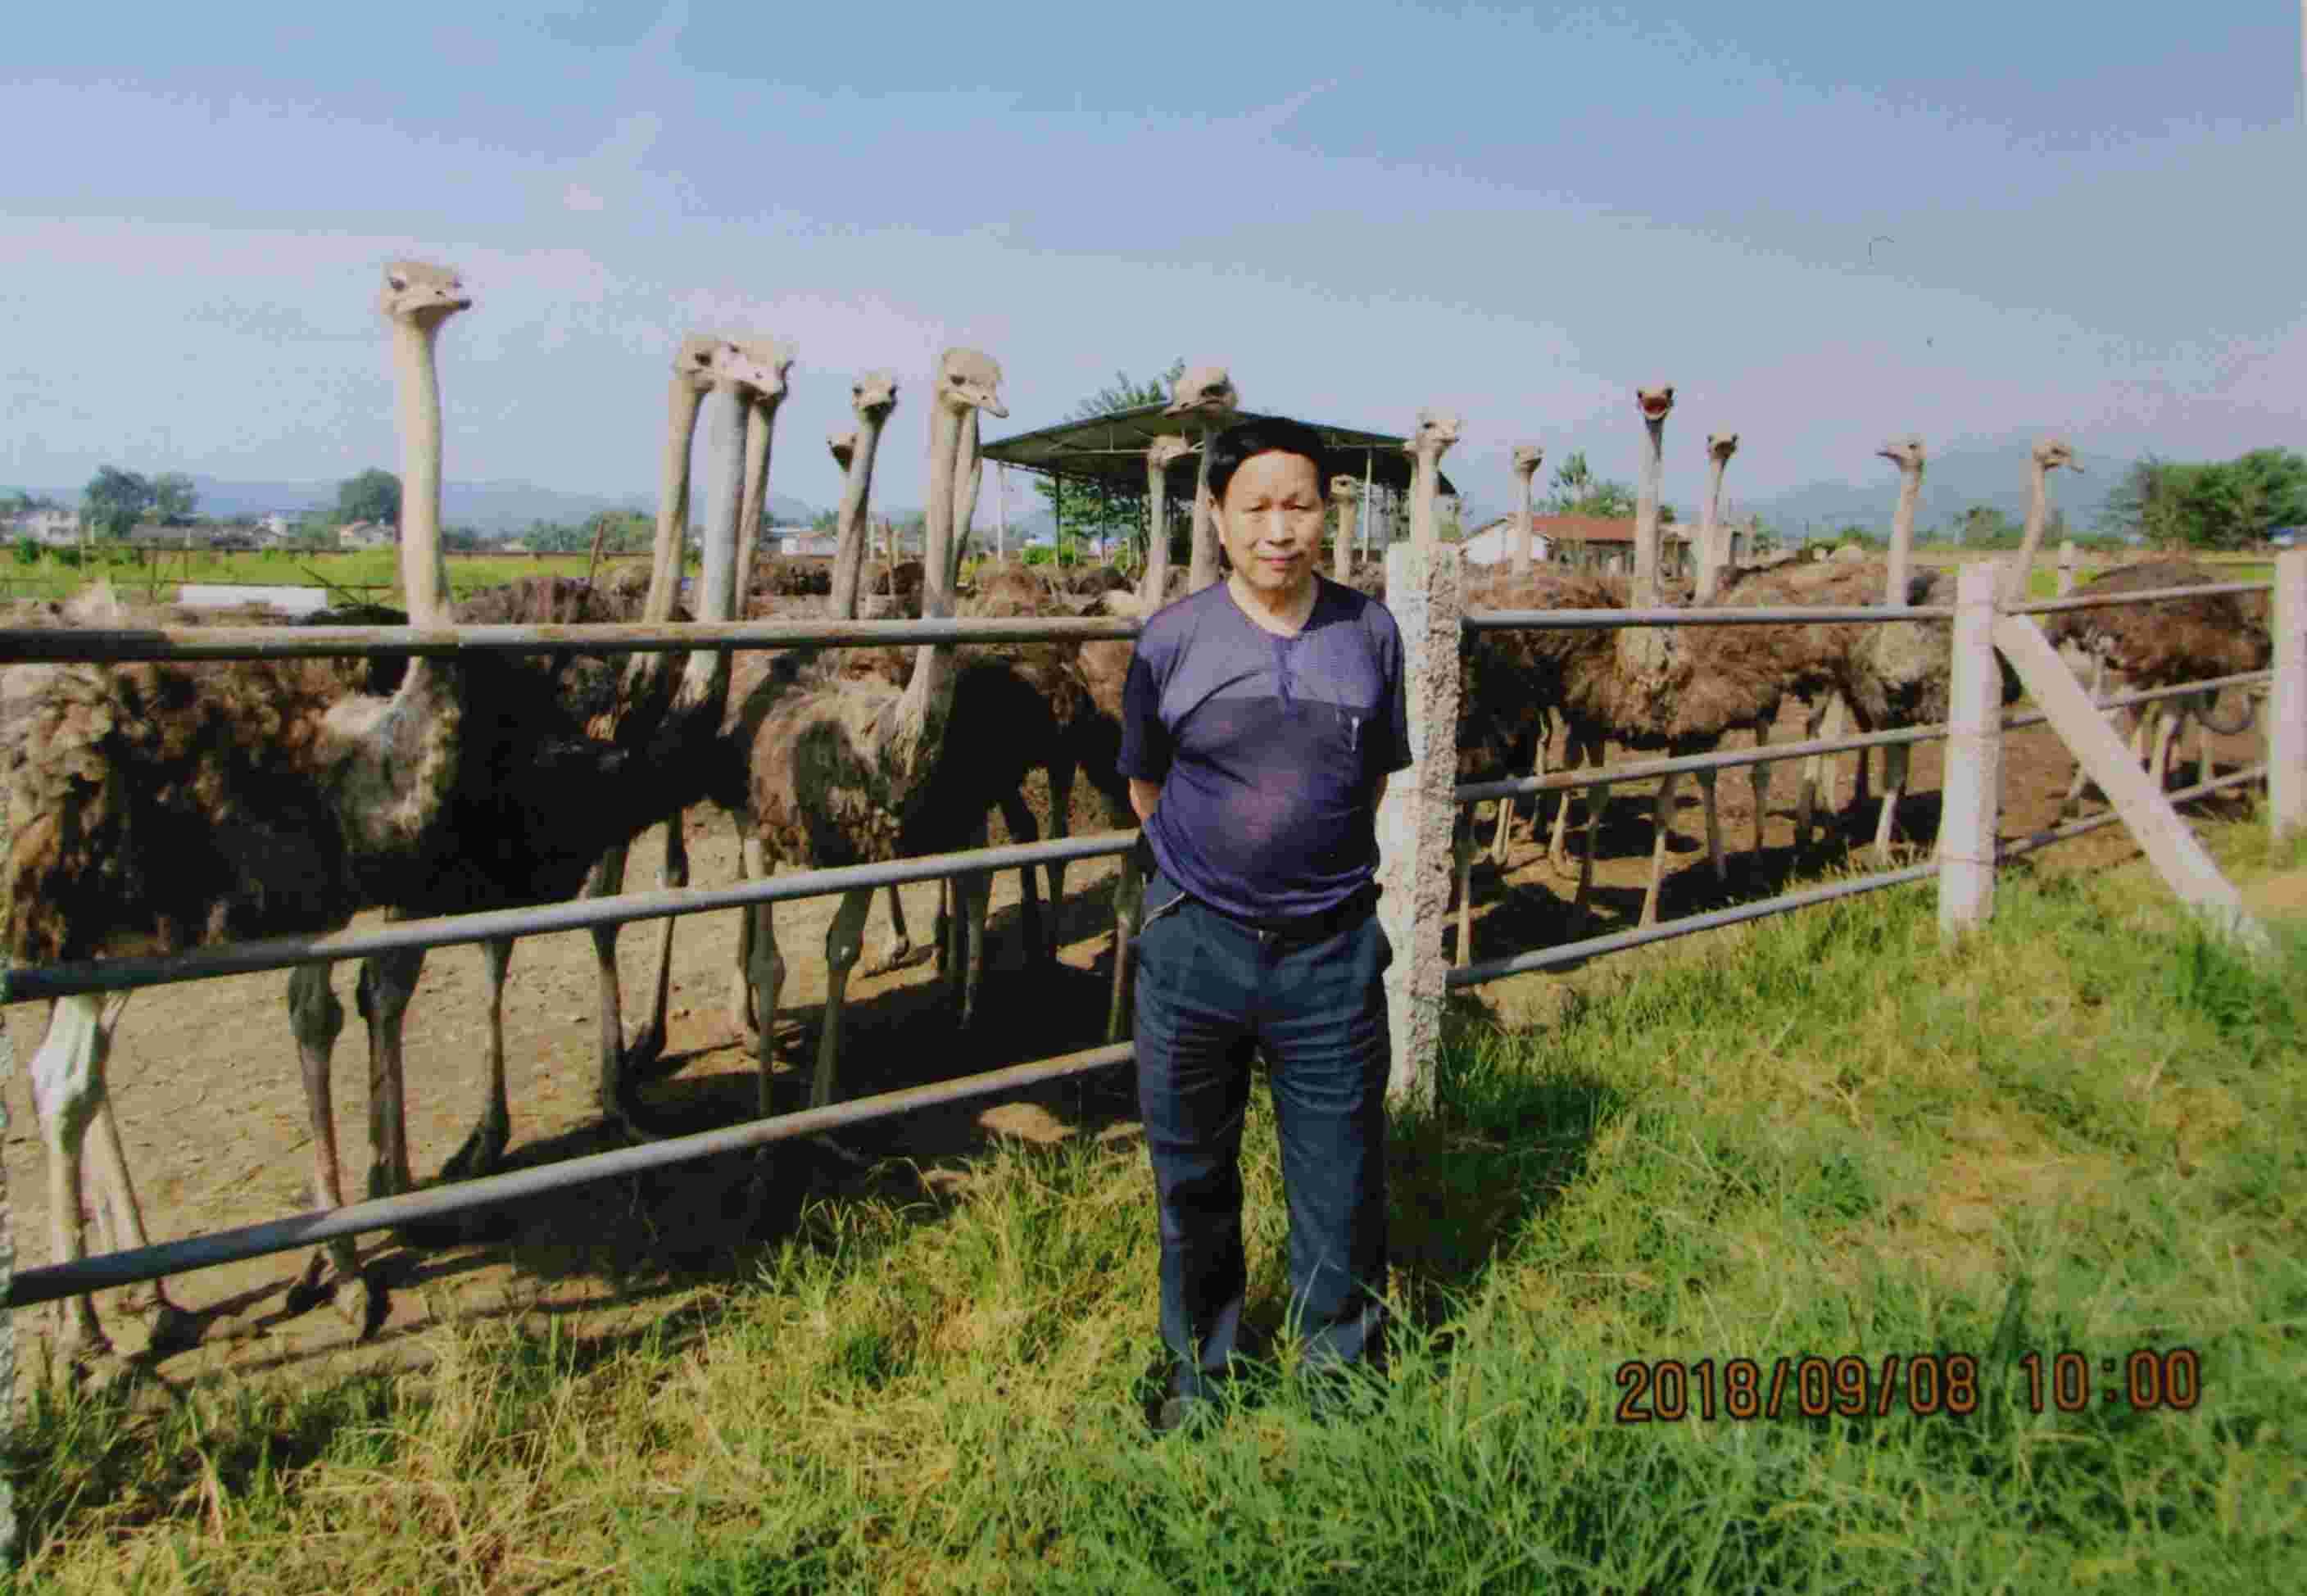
{"x":1268,"y":748}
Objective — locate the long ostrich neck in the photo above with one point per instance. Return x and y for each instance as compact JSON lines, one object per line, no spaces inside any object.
{"x":1422,"y":489}
{"x":672,"y":504}
{"x":760,"y":422}
{"x":2022,"y":564}
{"x":1204,"y":570}
{"x":856,"y":491}
{"x":968,"y":469}
{"x":424,"y":579}
{"x":1342,"y":557}
{"x":918,"y":726}
{"x":1710,"y":558}
{"x":1902,"y":531}
{"x":1646,"y":594}
{"x":705,"y":676}
{"x":1525,"y":529}
{"x":1155,"y":582}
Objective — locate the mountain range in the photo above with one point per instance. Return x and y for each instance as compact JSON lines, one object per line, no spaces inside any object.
{"x":1991,"y":471}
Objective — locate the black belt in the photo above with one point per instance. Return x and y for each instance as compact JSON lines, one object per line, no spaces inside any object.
{"x":1295,"y":928}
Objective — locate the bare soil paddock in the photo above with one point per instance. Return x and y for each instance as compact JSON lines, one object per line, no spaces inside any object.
{"x":205,"y":1080}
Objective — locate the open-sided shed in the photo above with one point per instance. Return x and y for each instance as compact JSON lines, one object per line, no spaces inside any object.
{"x":1109,"y":450}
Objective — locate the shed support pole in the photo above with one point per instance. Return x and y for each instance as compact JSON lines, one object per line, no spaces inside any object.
{"x":1416,"y":819}
{"x":2287,"y":729}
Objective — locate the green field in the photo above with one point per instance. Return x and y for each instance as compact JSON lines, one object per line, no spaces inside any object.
{"x":1822,"y":1136}
{"x":371,"y":574}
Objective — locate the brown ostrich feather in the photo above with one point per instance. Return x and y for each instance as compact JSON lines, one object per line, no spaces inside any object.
{"x":2171,"y":640}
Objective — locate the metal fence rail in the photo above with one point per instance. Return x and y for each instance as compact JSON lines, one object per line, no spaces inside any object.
{"x":51,"y":1281}
{"x":2099,"y":601}
{"x":2018,"y":847}
{"x":129,"y":972}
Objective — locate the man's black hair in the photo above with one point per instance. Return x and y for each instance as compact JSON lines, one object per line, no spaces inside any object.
{"x":1244,"y":439}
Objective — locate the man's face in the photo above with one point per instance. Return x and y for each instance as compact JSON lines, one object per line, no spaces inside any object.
{"x":1270,"y":521}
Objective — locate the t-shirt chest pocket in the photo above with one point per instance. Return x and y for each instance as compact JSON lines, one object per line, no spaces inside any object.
{"x":1347,"y":733}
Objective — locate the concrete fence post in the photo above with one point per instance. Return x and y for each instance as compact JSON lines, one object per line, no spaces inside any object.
{"x":2066,"y":568}
{"x":8,"y":1548}
{"x":1425,"y":593}
{"x":1973,"y":782}
{"x":2287,"y":707}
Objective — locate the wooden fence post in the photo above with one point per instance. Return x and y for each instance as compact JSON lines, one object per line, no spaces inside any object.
{"x":1973,"y":782}
{"x":1425,"y":593}
{"x":2287,"y":707}
{"x":8,"y":1549}
{"x":2066,"y":568}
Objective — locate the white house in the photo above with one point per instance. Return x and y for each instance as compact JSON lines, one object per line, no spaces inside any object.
{"x":800,"y":543}
{"x":1494,"y":545}
{"x":365,"y":534}
{"x":55,"y":527}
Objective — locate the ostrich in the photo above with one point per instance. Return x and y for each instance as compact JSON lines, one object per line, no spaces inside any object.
{"x":2162,"y":644}
{"x":1348,"y":493}
{"x":1154,"y":582}
{"x":1208,"y":394}
{"x":1527,"y":458}
{"x":1713,"y":559}
{"x":159,"y":806}
{"x":513,"y":837}
{"x":840,"y":770}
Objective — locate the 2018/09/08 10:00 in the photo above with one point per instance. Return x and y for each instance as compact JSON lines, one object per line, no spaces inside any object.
{"x":1668,"y":1390}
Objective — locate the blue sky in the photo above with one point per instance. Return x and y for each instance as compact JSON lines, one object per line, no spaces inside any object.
{"x":1520,"y":212}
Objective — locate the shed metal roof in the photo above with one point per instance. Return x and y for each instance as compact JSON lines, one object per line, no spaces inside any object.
{"x":1112,"y":447}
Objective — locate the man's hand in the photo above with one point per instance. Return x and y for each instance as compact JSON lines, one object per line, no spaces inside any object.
{"x":1143,"y":796}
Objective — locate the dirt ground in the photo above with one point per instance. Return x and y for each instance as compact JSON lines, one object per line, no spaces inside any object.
{"x":205,"y":1081}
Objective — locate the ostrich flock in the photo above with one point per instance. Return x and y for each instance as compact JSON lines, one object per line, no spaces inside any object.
{"x":159,"y":806}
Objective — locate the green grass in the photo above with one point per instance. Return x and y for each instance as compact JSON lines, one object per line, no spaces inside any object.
{"x":1820,"y":1135}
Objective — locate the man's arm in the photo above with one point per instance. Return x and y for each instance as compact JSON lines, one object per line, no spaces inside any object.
{"x":1377,"y":794}
{"x":1143,"y":796}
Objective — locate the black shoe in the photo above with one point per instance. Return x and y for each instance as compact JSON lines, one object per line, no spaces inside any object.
{"x":1184,"y":1413}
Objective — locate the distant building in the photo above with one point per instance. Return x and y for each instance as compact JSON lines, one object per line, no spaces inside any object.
{"x":801,"y":544}
{"x":2286,"y":537}
{"x":364,"y":534}
{"x":1577,"y":540}
{"x":1493,"y":544}
{"x":55,"y":527}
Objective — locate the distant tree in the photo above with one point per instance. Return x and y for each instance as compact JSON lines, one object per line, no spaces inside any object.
{"x":175,"y":501}
{"x":1577,"y":491}
{"x":461,"y":540}
{"x":824,"y":520}
{"x":115,"y":500}
{"x":372,"y":496}
{"x":1984,"y":526}
{"x":2179,"y":504}
{"x":1097,"y":509}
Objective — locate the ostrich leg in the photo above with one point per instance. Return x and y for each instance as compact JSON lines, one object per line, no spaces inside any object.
{"x":484,"y":1148}
{"x":1894,"y":787}
{"x":645,"y":1058}
{"x":766,"y":970}
{"x":387,"y":982}
{"x":2166,"y":725}
{"x":1662,"y":824}
{"x":121,"y":1220}
{"x":1760,"y":775}
{"x":317,"y":1019}
{"x":1713,"y":828}
{"x":1041,"y":934}
{"x":2203,"y":738}
{"x":899,"y":947}
{"x":752,"y":865}
{"x":843,"y":937}
{"x":1598,"y":799}
{"x":1825,"y":720}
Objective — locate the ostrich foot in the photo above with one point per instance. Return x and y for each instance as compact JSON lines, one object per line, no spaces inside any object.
{"x":364,"y":1302}
{"x":79,"y":1340}
{"x":898,"y":955}
{"x":644,"y":1059}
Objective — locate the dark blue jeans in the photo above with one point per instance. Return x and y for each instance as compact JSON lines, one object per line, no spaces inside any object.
{"x":1211,"y":991}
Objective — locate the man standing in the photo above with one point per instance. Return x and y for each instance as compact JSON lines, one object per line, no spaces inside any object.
{"x":1260,"y":720}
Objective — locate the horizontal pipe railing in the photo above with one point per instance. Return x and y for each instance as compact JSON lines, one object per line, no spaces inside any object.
{"x":53,"y":1281}
{"x":2099,"y":601}
{"x":23,"y":644}
{"x":1513,"y":787}
{"x":2121,"y":700}
{"x":1710,"y":615}
{"x":1571,"y":953}
{"x":129,"y":972}
{"x":2044,"y":839}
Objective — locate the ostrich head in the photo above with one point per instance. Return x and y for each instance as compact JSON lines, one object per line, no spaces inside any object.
{"x":1342,"y":486}
{"x":873,"y":396}
{"x":758,"y":363}
{"x":1527,"y":458}
{"x":969,"y":379}
{"x":422,"y":294}
{"x":1721,"y":446}
{"x":1906,"y":453}
{"x":1655,"y":401}
{"x":2051,"y":453}
{"x":1167,"y":450}
{"x":698,"y":359}
{"x":844,"y":446}
{"x":1436,"y":430}
{"x":1203,"y":390}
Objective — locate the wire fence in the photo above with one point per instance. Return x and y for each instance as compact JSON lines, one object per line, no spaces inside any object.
{"x":55,"y":1281}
